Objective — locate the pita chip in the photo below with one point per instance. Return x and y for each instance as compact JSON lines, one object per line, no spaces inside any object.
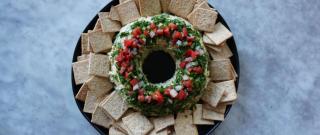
{"x":97,"y":26}
{"x":114,"y":105}
{"x":230,"y":93}
{"x":149,"y":7}
{"x":221,"y":70}
{"x":83,"y":57}
{"x":113,"y":15}
{"x":84,"y":43}
{"x":184,"y":124}
{"x":163,"y":122}
{"x":128,"y":12}
{"x":212,"y":115}
{"x":203,"y":4}
{"x":100,"y":118}
{"x":219,"y":35}
{"x":181,"y":7}
{"x":80,"y":71}
{"x":137,"y":123}
{"x":197,"y":116}
{"x":82,"y":93}
{"x":221,"y":108}
{"x":115,"y":131}
{"x":165,"y":5}
{"x":92,"y":101}
{"x":109,"y":25}
{"x":212,"y":94}
{"x":203,"y":19}
{"x":100,"y":85}
{"x":100,"y":41}
{"x":99,"y":65}
{"x":224,"y":53}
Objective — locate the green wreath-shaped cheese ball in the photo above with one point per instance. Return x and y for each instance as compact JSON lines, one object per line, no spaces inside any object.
{"x":170,"y":34}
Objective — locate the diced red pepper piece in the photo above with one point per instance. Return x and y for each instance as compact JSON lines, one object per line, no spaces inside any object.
{"x":146,"y":33}
{"x":190,"y":38}
{"x":153,"y":26}
{"x":159,"y":32}
{"x":185,"y":32}
{"x":181,"y":95}
{"x":166,"y":31}
{"x":136,"y":32}
{"x":177,"y":35}
{"x":183,"y":64}
{"x":197,"y":70}
{"x":141,"y":98}
{"x":194,"y":54}
{"x":173,"y":26}
{"x":157,"y":96}
{"x":133,"y":82}
{"x":187,"y":83}
{"x":128,"y":42}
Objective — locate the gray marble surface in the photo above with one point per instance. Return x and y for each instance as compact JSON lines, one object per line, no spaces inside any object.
{"x":278,"y":44}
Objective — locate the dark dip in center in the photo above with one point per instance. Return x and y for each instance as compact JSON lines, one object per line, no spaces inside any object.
{"x":158,"y":67}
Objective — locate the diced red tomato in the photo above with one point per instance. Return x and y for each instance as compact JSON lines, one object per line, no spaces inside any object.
{"x":190,"y":38}
{"x":181,"y":95}
{"x":136,"y":32}
{"x":173,"y":26}
{"x":157,"y":96}
{"x":159,"y":32}
{"x":166,"y":31}
{"x":197,"y":70}
{"x":188,"y":52}
{"x":183,"y":64}
{"x":187,"y":83}
{"x":153,"y":26}
{"x":185,"y":32}
{"x":167,"y":91}
{"x":194,"y":54}
{"x":141,"y":98}
{"x":119,"y":58}
{"x":128,"y":42}
{"x":133,"y":82}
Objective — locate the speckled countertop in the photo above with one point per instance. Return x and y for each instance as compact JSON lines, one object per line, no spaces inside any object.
{"x":278,"y":44}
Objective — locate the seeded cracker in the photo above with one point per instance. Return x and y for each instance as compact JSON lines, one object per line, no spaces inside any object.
{"x":98,"y":64}
{"x":114,"y":105}
{"x":149,"y":7}
{"x":219,"y":35}
{"x":165,"y":5}
{"x":212,"y":94}
{"x":203,"y":19}
{"x":221,"y":70}
{"x":137,"y":123}
{"x":184,"y":124}
{"x":181,"y":7}
{"x":100,"y":118}
{"x":128,"y":12}
{"x":80,"y":71}
{"x":82,"y":93}
{"x":100,"y":41}
{"x":197,"y":116}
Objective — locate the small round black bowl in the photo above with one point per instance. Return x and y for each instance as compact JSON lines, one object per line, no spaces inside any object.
{"x":203,"y":129}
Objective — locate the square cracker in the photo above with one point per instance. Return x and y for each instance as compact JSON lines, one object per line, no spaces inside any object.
{"x":120,"y":125}
{"x":202,"y":4}
{"x":221,"y":70}
{"x":97,"y":26}
{"x":207,"y":40}
{"x":80,"y":71}
{"x":114,"y":131}
{"x":212,"y":115}
{"x":149,"y":7}
{"x":224,"y":53}
{"x":82,"y":93}
{"x":163,"y":122}
{"x":219,"y":35}
{"x":203,"y":19}
{"x":197,"y":116}
{"x":92,"y":101}
{"x":181,"y":7}
{"x":109,"y":25}
{"x":100,"y":85}
{"x":230,"y":93}
{"x":99,"y":65}
{"x":100,"y":118}
{"x":128,"y":12}
{"x":100,"y":41}
{"x":165,"y":5}
{"x":137,"y":123}
{"x":84,"y":43}
{"x":113,"y":15}
{"x":212,"y":94}
{"x":184,"y":124}
{"x":114,"y":105}
{"x":83,"y":57}
{"x":221,"y":108}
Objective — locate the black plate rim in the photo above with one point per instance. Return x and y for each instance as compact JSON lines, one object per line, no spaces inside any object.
{"x":234,"y":59}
